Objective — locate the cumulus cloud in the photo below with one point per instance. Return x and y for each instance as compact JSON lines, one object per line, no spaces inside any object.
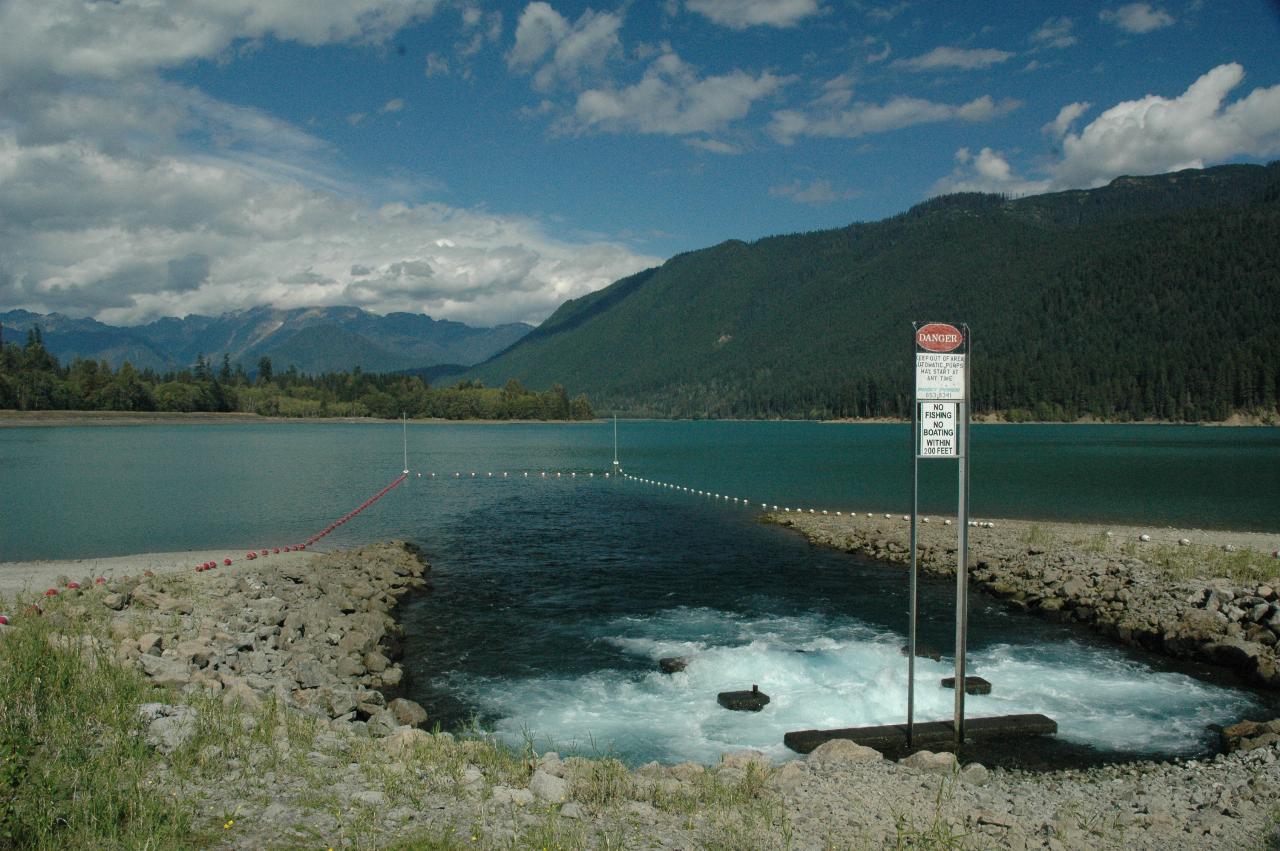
{"x":1055,"y":32}
{"x":127,"y":239}
{"x":954,"y":57}
{"x":1058,"y":127}
{"x":673,"y":99}
{"x":1156,"y":134}
{"x":393,"y":105}
{"x":987,"y":171}
{"x":553,"y":50}
{"x":127,"y":197}
{"x":1151,"y":135}
{"x":861,"y":119}
{"x":815,"y":192}
{"x":1137,"y":18}
{"x":740,"y":14}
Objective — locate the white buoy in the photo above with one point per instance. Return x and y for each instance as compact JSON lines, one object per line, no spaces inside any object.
{"x":868,"y":513}
{"x":1144,"y":537}
{"x":886,"y":517}
{"x":946,"y":522}
{"x":906,"y":517}
{"x":837,"y":514}
{"x":1184,"y":542}
{"x":775,"y":508}
{"x":924,"y":519}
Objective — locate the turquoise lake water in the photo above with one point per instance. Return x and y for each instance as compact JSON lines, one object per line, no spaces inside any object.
{"x":554,"y":596}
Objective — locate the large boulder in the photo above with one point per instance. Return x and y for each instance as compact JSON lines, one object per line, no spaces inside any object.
{"x":407,"y":712}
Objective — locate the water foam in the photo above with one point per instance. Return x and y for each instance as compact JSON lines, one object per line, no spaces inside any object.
{"x":827,"y":672}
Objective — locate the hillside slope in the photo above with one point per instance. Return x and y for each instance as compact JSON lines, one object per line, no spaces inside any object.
{"x":1150,"y":297}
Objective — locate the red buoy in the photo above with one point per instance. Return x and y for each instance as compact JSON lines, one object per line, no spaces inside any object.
{"x":100,"y":581}
{"x":227,"y":562}
{"x":73,"y":585}
{"x":4,"y":620}
{"x":52,"y":592}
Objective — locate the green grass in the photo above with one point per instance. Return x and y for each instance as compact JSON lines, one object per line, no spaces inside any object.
{"x":75,"y":769}
{"x":1204,"y":562}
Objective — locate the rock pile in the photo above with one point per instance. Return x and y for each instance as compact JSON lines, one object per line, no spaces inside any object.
{"x":316,"y":634}
{"x":1217,"y":621}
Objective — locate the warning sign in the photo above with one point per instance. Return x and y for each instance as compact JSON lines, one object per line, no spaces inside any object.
{"x":939,"y":430}
{"x":939,"y":376}
{"x":940,"y":353}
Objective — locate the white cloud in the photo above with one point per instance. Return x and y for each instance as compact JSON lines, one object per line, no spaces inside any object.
{"x":862,"y":118}
{"x":816,"y":192}
{"x":986,"y":171}
{"x":1152,"y":135}
{"x":954,"y":57}
{"x":393,"y":105}
{"x":714,"y":146}
{"x":671,"y":98}
{"x":1137,"y":18}
{"x":1058,"y":127}
{"x":127,"y":239}
{"x":545,"y":41}
{"x":72,"y":38}
{"x":437,"y":65}
{"x":740,"y":14}
{"x":127,"y":197}
{"x":1156,"y":134}
{"x":1055,"y":32}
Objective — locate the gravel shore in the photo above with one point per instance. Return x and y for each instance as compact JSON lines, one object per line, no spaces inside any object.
{"x":293,"y":660}
{"x":1210,"y":596}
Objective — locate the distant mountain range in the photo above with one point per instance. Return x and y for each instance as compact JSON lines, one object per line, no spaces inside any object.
{"x":315,"y":340}
{"x":1153,"y":297}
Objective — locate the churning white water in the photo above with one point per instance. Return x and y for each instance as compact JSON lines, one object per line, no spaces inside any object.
{"x":823,"y":673}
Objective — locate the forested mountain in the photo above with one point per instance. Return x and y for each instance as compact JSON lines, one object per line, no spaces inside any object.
{"x":1153,"y":297}
{"x":315,"y":340}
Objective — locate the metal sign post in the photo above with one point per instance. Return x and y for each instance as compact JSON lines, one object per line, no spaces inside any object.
{"x":940,"y":429}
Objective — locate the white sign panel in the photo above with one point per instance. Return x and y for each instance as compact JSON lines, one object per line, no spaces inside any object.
{"x":939,"y":375}
{"x":939,"y":430}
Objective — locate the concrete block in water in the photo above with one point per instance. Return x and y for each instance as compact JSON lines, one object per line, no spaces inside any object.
{"x":892,"y":738}
{"x":972,"y":685}
{"x":743,"y":701}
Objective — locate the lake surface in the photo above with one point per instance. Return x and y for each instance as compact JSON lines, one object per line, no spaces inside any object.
{"x":554,"y":596}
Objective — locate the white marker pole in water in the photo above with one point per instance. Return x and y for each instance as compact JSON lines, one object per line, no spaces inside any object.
{"x":404,"y":427}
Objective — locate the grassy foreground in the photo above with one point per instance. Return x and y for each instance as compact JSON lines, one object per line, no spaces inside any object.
{"x":75,"y":768}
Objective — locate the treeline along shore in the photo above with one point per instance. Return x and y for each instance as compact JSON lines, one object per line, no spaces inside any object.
{"x":260,"y":705}
{"x":32,"y":379}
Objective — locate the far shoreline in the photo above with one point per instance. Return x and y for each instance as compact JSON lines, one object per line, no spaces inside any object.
{"x":54,"y":419}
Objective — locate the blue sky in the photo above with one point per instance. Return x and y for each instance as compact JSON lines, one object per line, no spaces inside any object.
{"x":485,"y":161}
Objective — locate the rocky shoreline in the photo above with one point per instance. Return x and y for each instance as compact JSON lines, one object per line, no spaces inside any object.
{"x":1164,"y":593}
{"x":278,"y":722}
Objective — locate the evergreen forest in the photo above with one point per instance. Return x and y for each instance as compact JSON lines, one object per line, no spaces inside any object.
{"x":31,"y":379}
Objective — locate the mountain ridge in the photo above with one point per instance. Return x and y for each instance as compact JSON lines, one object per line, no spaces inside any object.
{"x":816,"y":324}
{"x":394,"y":342}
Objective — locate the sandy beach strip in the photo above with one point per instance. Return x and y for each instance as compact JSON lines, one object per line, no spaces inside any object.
{"x":23,"y":580}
